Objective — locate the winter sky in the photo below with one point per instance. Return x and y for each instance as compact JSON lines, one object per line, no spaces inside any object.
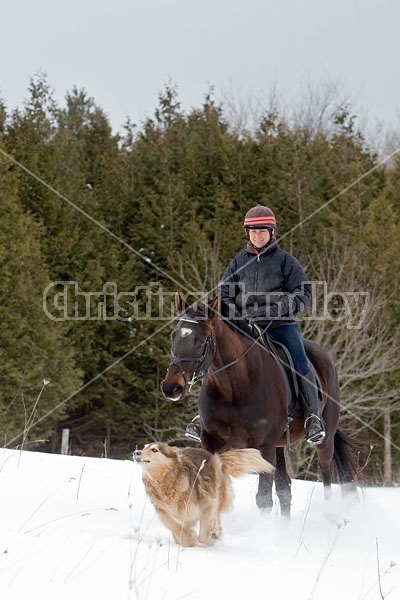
{"x":123,"y":52}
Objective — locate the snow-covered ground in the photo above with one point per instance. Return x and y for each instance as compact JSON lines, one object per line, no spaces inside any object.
{"x":81,"y":528}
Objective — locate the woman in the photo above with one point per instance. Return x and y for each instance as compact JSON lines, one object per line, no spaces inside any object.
{"x":266,"y":285}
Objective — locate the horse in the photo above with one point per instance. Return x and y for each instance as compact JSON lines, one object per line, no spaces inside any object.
{"x":243,"y":398}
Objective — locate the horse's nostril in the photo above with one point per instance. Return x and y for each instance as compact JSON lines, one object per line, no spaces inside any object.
{"x":172,"y":391}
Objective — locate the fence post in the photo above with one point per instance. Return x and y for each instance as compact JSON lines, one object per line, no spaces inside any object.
{"x":65,"y":441}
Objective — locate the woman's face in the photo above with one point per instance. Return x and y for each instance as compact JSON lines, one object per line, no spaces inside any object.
{"x":259,"y":237}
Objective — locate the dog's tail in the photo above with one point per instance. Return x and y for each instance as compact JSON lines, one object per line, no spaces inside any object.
{"x":247,"y":460}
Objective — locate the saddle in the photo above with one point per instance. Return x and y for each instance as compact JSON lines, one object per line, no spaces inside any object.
{"x":284,"y":359}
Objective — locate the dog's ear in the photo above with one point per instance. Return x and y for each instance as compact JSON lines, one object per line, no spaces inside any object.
{"x":168,"y":451}
{"x":180,"y":303}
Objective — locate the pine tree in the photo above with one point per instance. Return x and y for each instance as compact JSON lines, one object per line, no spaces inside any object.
{"x":33,"y":347}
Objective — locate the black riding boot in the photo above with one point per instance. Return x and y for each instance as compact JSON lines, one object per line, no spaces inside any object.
{"x":193,"y":429}
{"x":313,"y":425}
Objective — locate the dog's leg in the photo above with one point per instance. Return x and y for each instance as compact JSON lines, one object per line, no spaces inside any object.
{"x":185,"y":536}
{"x":183,"y":533}
{"x":210,"y":526}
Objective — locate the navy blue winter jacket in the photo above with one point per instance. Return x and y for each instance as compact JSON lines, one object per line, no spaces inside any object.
{"x":265,"y":286}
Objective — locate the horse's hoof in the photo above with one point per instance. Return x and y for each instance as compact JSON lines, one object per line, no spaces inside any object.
{"x":263,"y":504}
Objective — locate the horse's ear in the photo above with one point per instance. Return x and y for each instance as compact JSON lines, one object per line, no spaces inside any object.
{"x":214,"y":306}
{"x":180,"y":303}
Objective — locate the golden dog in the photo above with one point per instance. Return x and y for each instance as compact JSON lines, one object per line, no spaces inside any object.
{"x":187,"y":485}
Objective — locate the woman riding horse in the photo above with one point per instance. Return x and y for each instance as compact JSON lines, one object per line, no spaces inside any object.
{"x":266,"y":286}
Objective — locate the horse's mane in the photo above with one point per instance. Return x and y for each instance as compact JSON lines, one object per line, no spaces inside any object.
{"x":203,"y":312}
{"x":239,"y":326}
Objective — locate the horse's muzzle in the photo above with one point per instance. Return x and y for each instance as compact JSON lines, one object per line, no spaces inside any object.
{"x":173,"y":390}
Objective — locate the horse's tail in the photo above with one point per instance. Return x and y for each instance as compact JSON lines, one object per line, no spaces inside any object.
{"x":237,"y":462}
{"x":346,"y":452}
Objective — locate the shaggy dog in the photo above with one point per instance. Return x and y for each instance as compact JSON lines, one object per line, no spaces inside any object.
{"x":187,"y":485}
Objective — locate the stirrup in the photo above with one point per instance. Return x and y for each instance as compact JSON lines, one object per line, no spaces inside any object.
{"x":315,"y":438}
{"x":193,"y":432}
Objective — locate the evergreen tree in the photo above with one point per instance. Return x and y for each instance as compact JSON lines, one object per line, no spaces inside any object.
{"x":160,"y":208}
{"x":33,"y":348}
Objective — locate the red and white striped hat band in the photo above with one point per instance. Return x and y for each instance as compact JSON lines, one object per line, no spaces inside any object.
{"x":259,"y":221}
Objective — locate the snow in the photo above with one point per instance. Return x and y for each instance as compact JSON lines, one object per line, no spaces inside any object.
{"x":78,"y":528}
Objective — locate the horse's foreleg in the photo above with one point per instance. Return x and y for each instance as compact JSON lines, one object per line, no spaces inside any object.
{"x":283,"y":483}
{"x":212,"y":444}
{"x":264,"y":492}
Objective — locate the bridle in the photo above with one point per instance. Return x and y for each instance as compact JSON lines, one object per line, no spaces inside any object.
{"x":200,"y":372}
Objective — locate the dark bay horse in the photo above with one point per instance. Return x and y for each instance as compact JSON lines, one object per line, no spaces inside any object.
{"x":243,"y":398}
